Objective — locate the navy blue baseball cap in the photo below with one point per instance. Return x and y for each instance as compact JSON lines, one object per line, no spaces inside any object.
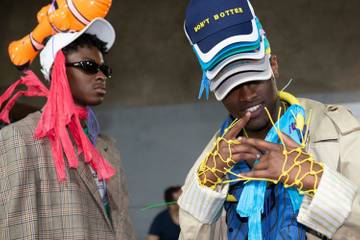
{"x":215,"y":24}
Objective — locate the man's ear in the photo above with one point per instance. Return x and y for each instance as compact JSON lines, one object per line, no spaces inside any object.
{"x":274,"y":65}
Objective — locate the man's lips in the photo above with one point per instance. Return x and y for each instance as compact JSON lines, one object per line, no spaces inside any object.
{"x":249,"y":106}
{"x":101,"y":89}
{"x":255,"y":109}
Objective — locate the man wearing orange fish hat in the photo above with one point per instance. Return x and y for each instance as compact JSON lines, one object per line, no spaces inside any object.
{"x":59,"y":178}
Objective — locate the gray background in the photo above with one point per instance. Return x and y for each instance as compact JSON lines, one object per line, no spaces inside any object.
{"x":151,"y":108}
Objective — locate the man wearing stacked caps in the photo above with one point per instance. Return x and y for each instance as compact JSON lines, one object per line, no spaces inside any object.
{"x":279,"y":167}
{"x":59,"y":178}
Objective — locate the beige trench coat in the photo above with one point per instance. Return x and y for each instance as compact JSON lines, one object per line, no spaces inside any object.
{"x":334,"y":140}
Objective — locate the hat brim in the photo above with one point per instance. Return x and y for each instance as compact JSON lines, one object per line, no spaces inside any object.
{"x":255,"y":55}
{"x":228,"y":51}
{"x":239,"y":67}
{"x":226,"y":86}
{"x":103,"y":31}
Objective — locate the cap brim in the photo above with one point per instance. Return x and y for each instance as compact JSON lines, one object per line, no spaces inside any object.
{"x":103,"y":31}
{"x":228,"y":51}
{"x":254,"y":55}
{"x":226,"y":37}
{"x":239,"y":67}
{"x":237,"y":79}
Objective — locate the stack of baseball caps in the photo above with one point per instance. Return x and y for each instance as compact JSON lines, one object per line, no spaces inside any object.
{"x":229,"y":43}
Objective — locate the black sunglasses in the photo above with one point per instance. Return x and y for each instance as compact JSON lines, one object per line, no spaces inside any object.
{"x":91,"y":67}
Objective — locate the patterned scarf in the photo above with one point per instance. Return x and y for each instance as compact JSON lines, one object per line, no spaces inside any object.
{"x":265,"y":211}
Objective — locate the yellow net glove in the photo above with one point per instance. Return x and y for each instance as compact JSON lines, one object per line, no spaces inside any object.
{"x":210,"y":174}
{"x":315,"y":169}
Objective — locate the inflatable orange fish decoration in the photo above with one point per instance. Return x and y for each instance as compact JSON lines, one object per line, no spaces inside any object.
{"x":60,"y":16}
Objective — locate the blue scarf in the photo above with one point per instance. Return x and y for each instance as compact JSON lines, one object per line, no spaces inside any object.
{"x":266,"y":209}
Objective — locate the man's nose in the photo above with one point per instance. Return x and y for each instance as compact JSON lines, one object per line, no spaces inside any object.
{"x":100,"y":76}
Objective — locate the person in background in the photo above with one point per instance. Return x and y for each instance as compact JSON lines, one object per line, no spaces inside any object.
{"x":165,"y":225}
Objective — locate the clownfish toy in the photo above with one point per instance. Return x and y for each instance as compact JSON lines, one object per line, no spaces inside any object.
{"x":59,"y":16}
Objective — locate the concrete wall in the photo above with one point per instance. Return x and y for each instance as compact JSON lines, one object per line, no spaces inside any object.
{"x":158,"y":146}
{"x":316,"y":41}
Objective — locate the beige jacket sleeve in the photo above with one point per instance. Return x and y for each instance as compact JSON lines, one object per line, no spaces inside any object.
{"x":334,"y":211}
{"x":201,"y":207}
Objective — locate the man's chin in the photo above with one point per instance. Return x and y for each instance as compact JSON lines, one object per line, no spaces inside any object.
{"x":96,"y":101}
{"x":257,"y":125}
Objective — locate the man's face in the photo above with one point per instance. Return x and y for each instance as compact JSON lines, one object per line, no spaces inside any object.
{"x":87,"y":89}
{"x":176,"y":196}
{"x":253,"y":97}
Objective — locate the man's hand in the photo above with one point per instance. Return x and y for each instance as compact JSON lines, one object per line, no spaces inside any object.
{"x":271,"y":164}
{"x":237,"y":152}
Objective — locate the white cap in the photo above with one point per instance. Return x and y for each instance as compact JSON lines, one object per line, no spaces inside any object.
{"x":99,"y":27}
{"x":226,"y":86}
{"x":238,"y":67}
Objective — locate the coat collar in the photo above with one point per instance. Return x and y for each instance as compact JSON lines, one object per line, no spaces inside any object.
{"x":321,"y":127}
{"x":328,"y":122}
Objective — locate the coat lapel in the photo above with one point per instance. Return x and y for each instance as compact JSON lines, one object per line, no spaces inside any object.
{"x":114,"y":197}
{"x":323,"y":134}
{"x":113,"y":184}
{"x":321,"y":127}
{"x":88,"y":179}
